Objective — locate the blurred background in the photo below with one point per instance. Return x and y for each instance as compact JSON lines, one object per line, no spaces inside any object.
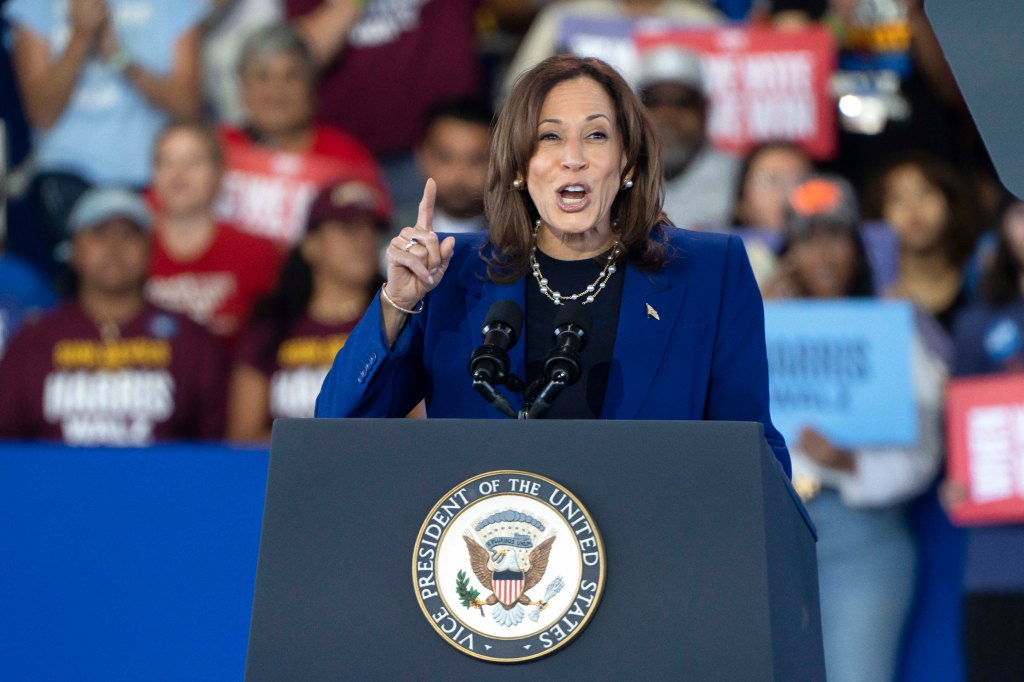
{"x":196,"y":193}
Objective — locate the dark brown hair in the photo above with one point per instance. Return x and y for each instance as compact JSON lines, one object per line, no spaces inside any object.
{"x":511,"y":213}
{"x":1000,"y":282}
{"x":962,"y":223}
{"x":748,"y":165}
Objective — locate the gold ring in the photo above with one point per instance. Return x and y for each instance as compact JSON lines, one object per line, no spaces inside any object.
{"x":412,"y":242}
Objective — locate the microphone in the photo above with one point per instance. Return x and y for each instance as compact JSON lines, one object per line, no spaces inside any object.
{"x":489,"y":364}
{"x":562,"y":366}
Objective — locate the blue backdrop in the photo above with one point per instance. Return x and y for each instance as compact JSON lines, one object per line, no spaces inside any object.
{"x":139,"y":564}
{"x":127,"y":564}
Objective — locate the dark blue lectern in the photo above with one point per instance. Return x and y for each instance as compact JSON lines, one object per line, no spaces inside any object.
{"x":711,"y":571}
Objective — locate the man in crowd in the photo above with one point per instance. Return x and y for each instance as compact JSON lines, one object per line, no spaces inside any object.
{"x":106,"y":368}
{"x":454,"y":151}
{"x":700,"y":182}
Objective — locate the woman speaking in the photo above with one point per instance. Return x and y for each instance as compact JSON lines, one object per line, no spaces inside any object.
{"x":676,"y":323}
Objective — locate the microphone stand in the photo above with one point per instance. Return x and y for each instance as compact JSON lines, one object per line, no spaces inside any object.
{"x":562,"y":367}
{"x":491,"y":395}
{"x":542,"y":402}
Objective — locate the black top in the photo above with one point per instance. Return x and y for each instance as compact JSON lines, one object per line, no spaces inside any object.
{"x":584,"y":399}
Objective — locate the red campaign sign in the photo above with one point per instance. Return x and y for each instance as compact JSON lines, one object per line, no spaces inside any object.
{"x":985,"y":432}
{"x":268,"y":193}
{"x":764,"y":85}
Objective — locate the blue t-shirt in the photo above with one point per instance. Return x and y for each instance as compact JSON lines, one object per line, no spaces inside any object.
{"x":23,"y":293}
{"x":106,"y":132}
{"x":990,"y":340}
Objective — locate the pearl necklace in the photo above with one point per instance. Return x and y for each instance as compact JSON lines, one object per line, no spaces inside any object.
{"x":590,"y":292}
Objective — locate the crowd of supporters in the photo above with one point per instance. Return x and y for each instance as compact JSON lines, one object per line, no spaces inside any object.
{"x":198,"y":191}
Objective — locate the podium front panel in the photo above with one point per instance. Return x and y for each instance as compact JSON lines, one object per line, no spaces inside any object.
{"x":711,"y":571}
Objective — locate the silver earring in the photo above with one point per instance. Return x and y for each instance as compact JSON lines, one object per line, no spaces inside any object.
{"x":628,"y":184}
{"x":517,"y":184}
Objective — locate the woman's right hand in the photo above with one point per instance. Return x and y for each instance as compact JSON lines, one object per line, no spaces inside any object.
{"x":89,"y":18}
{"x":416,"y":263}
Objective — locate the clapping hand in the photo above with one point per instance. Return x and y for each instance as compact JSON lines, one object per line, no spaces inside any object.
{"x":89,"y":18}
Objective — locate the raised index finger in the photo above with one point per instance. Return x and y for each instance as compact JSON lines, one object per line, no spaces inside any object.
{"x":425,"y":218}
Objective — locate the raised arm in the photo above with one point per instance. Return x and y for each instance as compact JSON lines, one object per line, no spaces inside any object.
{"x":179,"y":92}
{"x":376,"y":373}
{"x":46,"y":82}
{"x":327,"y":27}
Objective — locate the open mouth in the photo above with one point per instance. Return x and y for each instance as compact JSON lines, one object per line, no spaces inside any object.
{"x":573,"y":197}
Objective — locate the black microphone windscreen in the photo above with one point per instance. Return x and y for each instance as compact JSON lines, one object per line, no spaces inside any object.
{"x":573,"y":313}
{"x":508,"y":312}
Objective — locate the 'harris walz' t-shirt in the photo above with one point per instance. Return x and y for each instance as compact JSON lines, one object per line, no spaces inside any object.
{"x":297,"y":367}
{"x":159,"y":377}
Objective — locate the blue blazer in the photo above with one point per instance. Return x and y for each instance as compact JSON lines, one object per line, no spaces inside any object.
{"x":699,"y":355}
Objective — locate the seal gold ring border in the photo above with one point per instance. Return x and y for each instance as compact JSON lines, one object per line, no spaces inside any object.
{"x":598,"y":592}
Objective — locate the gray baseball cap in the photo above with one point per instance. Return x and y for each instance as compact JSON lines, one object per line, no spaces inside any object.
{"x":671,"y":64}
{"x":101,"y":204}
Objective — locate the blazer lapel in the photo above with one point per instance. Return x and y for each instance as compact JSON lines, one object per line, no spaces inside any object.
{"x":650,"y":307}
{"x":482,"y":294}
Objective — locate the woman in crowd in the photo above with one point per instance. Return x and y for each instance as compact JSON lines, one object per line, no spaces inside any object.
{"x":206,"y":269}
{"x":988,"y":340}
{"x":326,"y":282}
{"x":769,"y":172}
{"x":935,"y":220}
{"x":573,"y":204}
{"x":278,"y":160}
{"x":856,"y":496}
{"x":766,"y":177}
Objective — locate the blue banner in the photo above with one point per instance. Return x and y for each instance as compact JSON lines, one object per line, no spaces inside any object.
{"x":844,"y":368}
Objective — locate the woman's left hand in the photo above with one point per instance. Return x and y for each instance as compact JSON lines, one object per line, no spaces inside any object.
{"x":821,"y":450}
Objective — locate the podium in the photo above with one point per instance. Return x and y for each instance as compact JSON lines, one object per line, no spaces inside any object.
{"x":710,"y":559}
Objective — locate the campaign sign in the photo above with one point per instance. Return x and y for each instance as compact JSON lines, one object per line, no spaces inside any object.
{"x":764,"y":84}
{"x":985,"y":432}
{"x":844,"y":368}
{"x":608,"y":39}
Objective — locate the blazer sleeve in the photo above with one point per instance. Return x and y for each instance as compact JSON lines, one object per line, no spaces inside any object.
{"x":370,"y":379}
{"x":738,"y":385}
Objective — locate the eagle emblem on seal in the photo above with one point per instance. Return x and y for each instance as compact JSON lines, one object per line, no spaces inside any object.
{"x":508,"y":552}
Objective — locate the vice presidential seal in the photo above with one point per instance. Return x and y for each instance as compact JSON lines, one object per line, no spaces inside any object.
{"x":508,"y":566}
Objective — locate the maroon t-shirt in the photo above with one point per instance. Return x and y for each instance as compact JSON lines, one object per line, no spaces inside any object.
{"x":401,"y":58}
{"x":297,"y":367}
{"x":159,"y":377}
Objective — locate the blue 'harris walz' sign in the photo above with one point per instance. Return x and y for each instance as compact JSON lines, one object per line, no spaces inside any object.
{"x":843,"y":367}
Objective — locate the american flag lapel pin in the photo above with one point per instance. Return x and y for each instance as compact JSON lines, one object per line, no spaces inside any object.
{"x":651,"y":312}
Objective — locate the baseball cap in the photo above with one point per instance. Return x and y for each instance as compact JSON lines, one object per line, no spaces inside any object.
{"x":670,"y":64}
{"x":100,"y":204}
{"x":824,"y":202}
{"x":348,"y":201}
